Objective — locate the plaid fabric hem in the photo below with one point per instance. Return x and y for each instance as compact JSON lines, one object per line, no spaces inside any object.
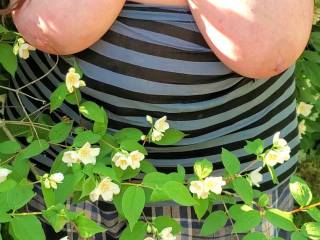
{"x":106,"y":215}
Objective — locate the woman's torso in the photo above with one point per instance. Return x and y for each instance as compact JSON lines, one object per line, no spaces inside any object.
{"x":154,"y":61}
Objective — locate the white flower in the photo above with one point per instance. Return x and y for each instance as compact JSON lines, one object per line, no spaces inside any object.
{"x":272,"y":157}
{"x":106,"y":188}
{"x":302,"y":127}
{"x":197,"y":187}
{"x":135,"y":158}
{"x":65,"y":238}
{"x":304,"y":109}
{"x":156,"y":135}
{"x":70,"y":157}
{"x":214,"y":184}
{"x":149,"y":119}
{"x":4,"y":174}
{"x":279,"y":142}
{"x":87,"y":154}
{"x":22,"y":48}
{"x":256,"y":177}
{"x":161,"y":124}
{"x":73,"y":80}
{"x":149,"y":238}
{"x":166,"y":234}
{"x":52,"y":180}
{"x":121,"y":160}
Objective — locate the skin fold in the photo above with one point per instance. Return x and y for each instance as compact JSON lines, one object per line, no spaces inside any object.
{"x":254,"y":38}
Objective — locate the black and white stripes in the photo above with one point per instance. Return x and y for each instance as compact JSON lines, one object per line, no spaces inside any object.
{"x":154,"y":61}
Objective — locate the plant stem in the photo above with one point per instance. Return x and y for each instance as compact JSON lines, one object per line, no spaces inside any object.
{"x":227,"y":212}
{"x":136,"y":184}
{"x":305,"y":208}
{"x":26,"y":214}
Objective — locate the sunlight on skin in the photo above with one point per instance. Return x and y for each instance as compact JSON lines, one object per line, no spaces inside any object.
{"x":255,"y":38}
{"x":65,"y":27}
{"x":222,"y":42}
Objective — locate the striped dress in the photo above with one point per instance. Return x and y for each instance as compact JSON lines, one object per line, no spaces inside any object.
{"x":154,"y":61}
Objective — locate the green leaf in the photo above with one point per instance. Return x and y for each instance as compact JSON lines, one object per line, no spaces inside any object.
{"x":201,"y":208}
{"x":263,"y":200}
{"x":280,"y":219}
{"x":311,"y":230}
{"x":314,"y":213}
{"x":171,"y":137}
{"x":298,"y":236}
{"x":273,"y":175}
{"x":7,"y":185}
{"x":86,"y":136}
{"x":92,"y":111}
{"x":230,"y":162}
{"x":60,"y":132}
{"x":132,"y":204}
{"x":20,"y":169}
{"x":87,"y":228}
{"x":8,"y":59}
{"x":27,"y":228}
{"x":241,"y":214}
{"x":179,"y":193}
{"x":57,"y":217}
{"x":66,"y":188}
{"x":255,"y":147}
{"x":147,"y":167}
{"x":9,"y":147}
{"x":125,"y":174}
{"x":131,"y":145}
{"x":33,"y":149}
{"x":300,"y":191}
{"x":4,"y":217}
{"x":203,"y":168}
{"x":101,"y":127}
{"x":156,"y":180}
{"x":16,"y":197}
{"x":74,"y":98}
{"x":48,"y":196}
{"x":2,"y":29}
{"x":58,"y":96}
{"x":133,"y":134}
{"x":138,"y":232}
{"x":104,"y":171}
{"x":163,"y":222}
{"x":244,"y":189}
{"x":87,"y":187}
{"x":108,"y":143}
{"x":213,"y":223}
{"x":255,"y":236}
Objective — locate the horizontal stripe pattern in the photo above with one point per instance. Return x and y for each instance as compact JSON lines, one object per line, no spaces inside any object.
{"x":154,"y":61}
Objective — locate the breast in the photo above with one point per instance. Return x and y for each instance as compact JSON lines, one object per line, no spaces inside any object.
{"x":255,"y":38}
{"x":65,"y":27}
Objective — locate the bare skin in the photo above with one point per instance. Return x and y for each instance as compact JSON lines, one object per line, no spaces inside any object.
{"x":181,"y":3}
{"x":254,"y":38}
{"x":65,"y":27}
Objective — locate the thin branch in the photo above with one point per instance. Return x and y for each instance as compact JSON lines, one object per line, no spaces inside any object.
{"x":43,"y":76}
{"x":227,"y":212}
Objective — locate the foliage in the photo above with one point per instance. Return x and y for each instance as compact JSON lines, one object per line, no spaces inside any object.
{"x":97,"y":164}
{"x":308,"y":88}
